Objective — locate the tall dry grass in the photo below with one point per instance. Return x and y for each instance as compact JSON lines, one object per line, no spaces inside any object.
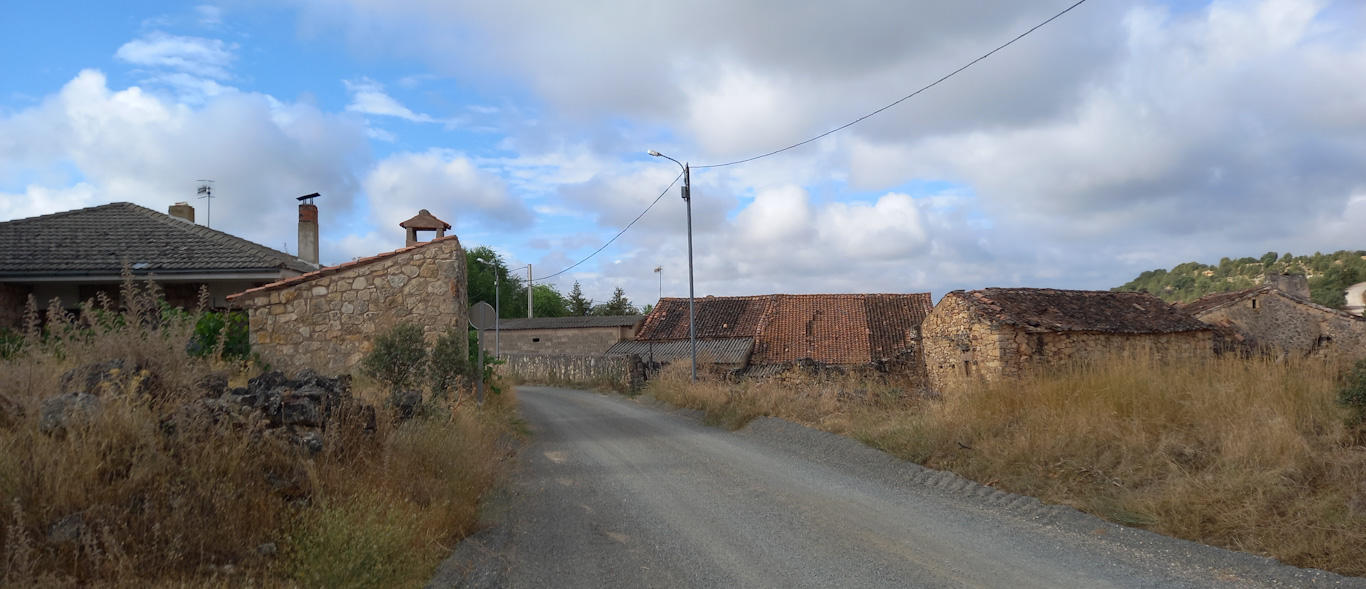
{"x":125,"y":501}
{"x":1251,"y":455}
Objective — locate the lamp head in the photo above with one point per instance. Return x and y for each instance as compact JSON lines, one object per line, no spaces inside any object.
{"x":654,"y":153}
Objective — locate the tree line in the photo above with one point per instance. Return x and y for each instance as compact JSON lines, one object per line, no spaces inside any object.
{"x":485,"y":268}
{"x":1329,"y":276}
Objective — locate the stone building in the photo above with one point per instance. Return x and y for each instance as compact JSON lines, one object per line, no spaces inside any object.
{"x":76,"y":255}
{"x":1268,"y":319}
{"x":1003,"y":332}
{"x":879,"y":330}
{"x":327,"y":319}
{"x":574,"y":336}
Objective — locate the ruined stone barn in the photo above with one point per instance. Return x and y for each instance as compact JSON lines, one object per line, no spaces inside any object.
{"x":767,"y":332}
{"x":575,"y":336}
{"x":327,"y":319}
{"x":1004,"y":332}
{"x":1270,"y":320}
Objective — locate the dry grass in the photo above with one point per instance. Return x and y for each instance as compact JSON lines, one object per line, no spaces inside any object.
{"x":1246,"y":454}
{"x":191,"y":508}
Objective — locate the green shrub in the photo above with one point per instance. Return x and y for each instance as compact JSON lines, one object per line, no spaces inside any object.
{"x":228,"y":329}
{"x":1352,"y":393}
{"x":399,"y":358}
{"x":490,"y":361}
{"x":449,"y":364}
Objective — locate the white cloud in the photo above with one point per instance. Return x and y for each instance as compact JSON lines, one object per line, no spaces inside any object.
{"x":209,"y":16}
{"x":91,"y":145}
{"x":444,"y":182}
{"x":368,"y":97}
{"x":206,"y":58}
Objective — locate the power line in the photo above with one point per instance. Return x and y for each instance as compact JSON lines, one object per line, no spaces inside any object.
{"x":903,"y":98}
{"x":619,"y":234}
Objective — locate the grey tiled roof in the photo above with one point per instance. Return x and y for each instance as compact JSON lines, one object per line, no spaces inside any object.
{"x":569,"y":322}
{"x":98,"y":240}
{"x":735,"y":350}
{"x":1053,"y":310}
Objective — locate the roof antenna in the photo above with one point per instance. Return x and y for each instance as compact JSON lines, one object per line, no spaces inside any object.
{"x":206,"y":192}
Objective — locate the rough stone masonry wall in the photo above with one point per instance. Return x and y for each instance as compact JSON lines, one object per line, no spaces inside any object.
{"x":1288,"y":327}
{"x":962,"y":346}
{"x":626,"y":371}
{"x":579,"y":341}
{"x":13,"y":297}
{"x":329,"y":323}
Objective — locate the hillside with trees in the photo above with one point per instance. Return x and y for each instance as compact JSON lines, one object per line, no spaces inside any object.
{"x":1329,"y":275}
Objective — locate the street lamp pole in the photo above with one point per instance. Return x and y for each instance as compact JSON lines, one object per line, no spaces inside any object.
{"x":692,"y":309}
{"x":497,"y":306}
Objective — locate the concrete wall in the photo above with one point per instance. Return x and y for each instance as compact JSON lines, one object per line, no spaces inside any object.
{"x":1285,"y":326}
{"x":960,"y":345}
{"x":13,"y":297}
{"x":580,"y":341}
{"x":329,"y":323}
{"x":624,"y":371}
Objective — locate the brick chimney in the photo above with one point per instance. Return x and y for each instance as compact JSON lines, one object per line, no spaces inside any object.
{"x":1295,"y":284}
{"x":182,"y":210}
{"x":308,"y":229}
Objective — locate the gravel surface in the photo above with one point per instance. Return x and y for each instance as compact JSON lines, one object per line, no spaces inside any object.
{"x":612,"y":493}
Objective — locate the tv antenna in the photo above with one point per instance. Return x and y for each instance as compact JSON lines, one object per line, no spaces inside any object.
{"x":206,"y":192}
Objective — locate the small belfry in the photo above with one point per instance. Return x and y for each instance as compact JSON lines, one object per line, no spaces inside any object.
{"x":423,"y":221}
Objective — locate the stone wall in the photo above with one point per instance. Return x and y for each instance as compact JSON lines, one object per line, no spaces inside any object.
{"x":962,"y":346}
{"x":13,"y":297}
{"x":327,"y":320}
{"x":1281,"y":325}
{"x":626,"y":372}
{"x":578,"y":341}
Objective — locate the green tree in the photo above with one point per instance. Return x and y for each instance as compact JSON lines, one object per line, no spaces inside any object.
{"x":617,"y":305}
{"x":549,"y":302}
{"x":578,"y":305}
{"x":483,"y":265}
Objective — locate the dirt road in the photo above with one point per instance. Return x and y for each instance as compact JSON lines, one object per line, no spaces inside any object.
{"x":616,"y":494}
{"x":1354,"y":300}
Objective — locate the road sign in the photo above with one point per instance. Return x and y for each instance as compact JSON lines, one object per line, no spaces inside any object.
{"x":482,"y":316}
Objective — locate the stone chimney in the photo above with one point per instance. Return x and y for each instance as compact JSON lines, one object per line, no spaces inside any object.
{"x":1295,"y":284}
{"x":308,"y":229}
{"x":182,"y":210}
{"x":424,"y":221}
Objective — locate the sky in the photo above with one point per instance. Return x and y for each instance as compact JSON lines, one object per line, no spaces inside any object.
{"x":1124,"y":136}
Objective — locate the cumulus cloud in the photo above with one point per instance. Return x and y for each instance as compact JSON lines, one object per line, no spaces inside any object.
{"x":88,"y":144}
{"x":446,"y":183}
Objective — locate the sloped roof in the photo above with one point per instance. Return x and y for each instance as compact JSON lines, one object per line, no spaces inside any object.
{"x":735,"y":350}
{"x":830,"y":328}
{"x":1220,"y":300}
{"x":1048,"y":309}
{"x":98,"y":240}
{"x":330,"y":270}
{"x":425,"y":221}
{"x":521,"y":323}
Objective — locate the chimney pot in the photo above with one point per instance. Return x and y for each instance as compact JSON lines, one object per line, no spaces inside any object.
{"x":308,"y":233}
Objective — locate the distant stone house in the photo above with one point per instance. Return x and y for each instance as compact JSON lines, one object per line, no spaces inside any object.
{"x":760,"y":333}
{"x":1270,"y":320}
{"x":76,"y":255}
{"x":575,"y":336}
{"x":327,"y":319}
{"x":1003,"y":332}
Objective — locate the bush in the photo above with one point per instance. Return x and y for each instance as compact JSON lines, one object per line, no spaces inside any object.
{"x":1352,"y":393}
{"x":449,"y":364}
{"x":399,"y":359}
{"x":228,"y":329}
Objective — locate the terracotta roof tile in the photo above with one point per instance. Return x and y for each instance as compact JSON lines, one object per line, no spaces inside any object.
{"x":330,"y":270}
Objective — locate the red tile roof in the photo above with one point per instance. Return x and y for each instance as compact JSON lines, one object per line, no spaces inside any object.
{"x":829,"y":328}
{"x":330,"y":270}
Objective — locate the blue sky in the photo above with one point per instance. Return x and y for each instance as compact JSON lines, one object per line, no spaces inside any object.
{"x":1125,"y":136}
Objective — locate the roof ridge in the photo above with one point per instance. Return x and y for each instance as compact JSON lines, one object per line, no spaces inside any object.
{"x":222,"y":237}
{"x":330,"y":270}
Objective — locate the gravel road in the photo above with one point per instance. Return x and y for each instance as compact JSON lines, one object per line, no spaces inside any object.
{"x":613,"y":493}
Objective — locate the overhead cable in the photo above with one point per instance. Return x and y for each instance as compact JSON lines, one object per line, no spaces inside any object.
{"x":623,"y":230}
{"x":900,"y":100}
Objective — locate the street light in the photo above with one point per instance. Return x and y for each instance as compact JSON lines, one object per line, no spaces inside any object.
{"x":692,"y":316}
{"x":497,"y":306}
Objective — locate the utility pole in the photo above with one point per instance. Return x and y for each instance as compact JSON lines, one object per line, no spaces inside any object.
{"x":692,"y":309}
{"x":529,"y":289}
